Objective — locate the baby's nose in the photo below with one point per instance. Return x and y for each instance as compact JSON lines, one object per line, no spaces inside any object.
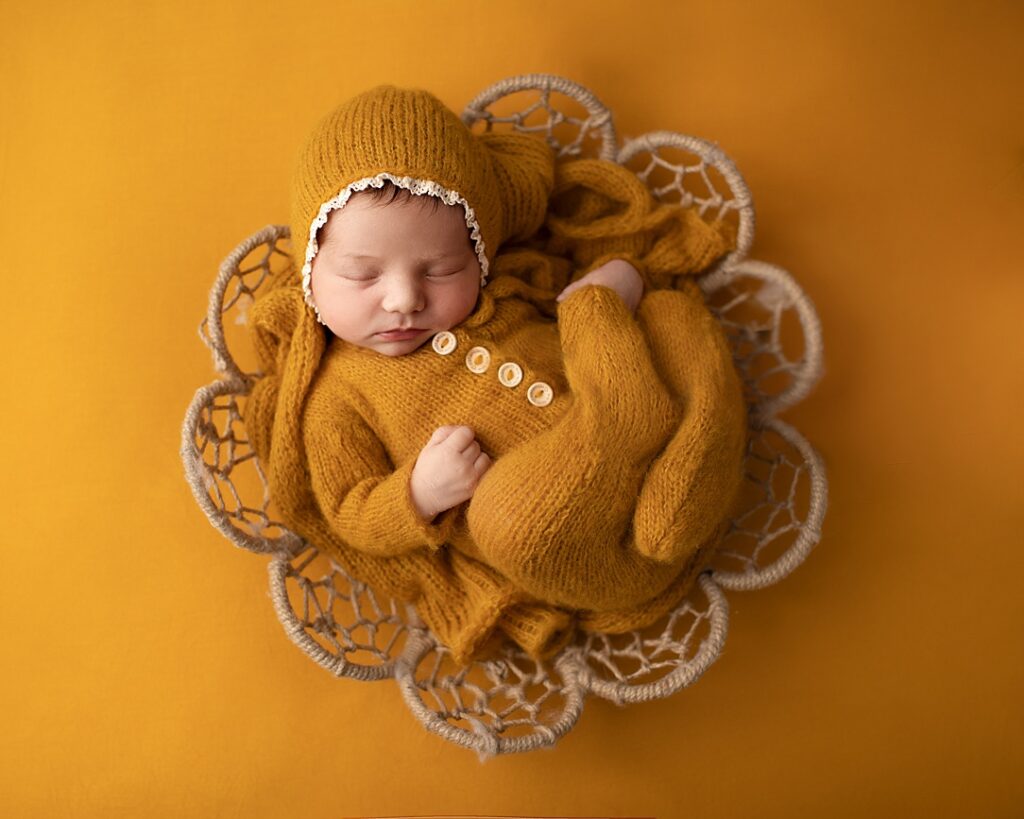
{"x":403,"y":297}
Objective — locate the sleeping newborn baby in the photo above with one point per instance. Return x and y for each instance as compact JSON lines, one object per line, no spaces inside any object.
{"x":481,"y":401}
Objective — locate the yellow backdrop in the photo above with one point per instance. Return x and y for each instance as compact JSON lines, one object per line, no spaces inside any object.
{"x":144,"y":671}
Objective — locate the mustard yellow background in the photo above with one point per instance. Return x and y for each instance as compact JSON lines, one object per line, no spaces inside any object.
{"x":143,"y":670}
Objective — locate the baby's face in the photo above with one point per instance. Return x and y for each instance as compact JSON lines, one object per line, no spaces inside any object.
{"x":401,"y":266}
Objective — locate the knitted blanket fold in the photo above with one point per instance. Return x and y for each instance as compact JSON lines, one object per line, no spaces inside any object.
{"x":598,"y":211}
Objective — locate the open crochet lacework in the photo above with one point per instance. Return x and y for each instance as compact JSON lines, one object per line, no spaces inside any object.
{"x":512,"y":703}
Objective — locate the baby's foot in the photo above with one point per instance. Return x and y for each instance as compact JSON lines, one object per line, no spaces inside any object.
{"x":691,"y":486}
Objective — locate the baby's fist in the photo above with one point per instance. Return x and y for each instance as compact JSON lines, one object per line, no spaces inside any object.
{"x":447,"y":470}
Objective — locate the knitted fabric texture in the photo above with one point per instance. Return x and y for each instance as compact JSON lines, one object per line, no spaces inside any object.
{"x":608,"y":495}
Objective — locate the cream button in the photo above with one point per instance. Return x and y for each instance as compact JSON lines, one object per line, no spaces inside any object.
{"x":539,"y":394}
{"x":478,"y":360}
{"x":444,"y":343}
{"x":510,"y":374}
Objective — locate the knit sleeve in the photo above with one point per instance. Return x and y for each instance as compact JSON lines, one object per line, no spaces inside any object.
{"x":362,"y":496}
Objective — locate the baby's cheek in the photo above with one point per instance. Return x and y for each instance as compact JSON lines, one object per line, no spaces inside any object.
{"x":471,"y":297}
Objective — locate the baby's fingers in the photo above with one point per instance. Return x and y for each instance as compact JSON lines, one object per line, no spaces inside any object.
{"x":482,"y":464}
{"x":459,"y":438}
{"x":576,"y":285}
{"x":441,"y":433}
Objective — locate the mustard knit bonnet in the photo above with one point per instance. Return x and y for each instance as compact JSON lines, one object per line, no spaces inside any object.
{"x":408,"y":137}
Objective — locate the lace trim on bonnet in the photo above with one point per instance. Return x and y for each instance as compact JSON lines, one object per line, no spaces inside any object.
{"x":417,"y":187}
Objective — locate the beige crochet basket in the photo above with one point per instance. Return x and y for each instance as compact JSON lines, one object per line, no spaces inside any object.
{"x":512,"y":703}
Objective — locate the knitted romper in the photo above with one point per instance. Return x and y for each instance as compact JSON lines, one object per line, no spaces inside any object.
{"x":602,"y":427}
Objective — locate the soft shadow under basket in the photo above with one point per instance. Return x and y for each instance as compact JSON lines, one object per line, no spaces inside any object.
{"x":513,"y":703}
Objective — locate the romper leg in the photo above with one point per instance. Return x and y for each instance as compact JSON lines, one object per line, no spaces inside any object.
{"x":554,"y":514}
{"x":692,"y":485}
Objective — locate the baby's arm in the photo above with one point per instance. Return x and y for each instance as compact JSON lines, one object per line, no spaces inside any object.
{"x":619,"y":275}
{"x":365,"y":500}
{"x":447,"y":471}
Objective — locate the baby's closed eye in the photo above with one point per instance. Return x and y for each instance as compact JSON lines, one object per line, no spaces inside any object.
{"x":440,"y":274}
{"x":372,"y":276}
{"x":360,"y":276}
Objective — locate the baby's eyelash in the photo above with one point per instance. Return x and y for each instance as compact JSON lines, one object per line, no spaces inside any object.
{"x":369,"y":276}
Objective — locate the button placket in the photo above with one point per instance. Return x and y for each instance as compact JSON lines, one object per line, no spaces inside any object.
{"x":510,"y":374}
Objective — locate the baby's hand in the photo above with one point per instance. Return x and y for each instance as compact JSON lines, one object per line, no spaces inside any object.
{"x":617,"y":274}
{"x":447,"y":471}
